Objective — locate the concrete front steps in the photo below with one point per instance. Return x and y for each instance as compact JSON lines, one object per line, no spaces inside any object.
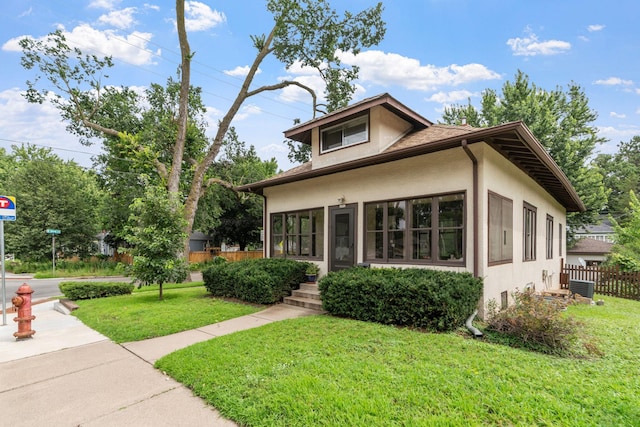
{"x":307,"y":296}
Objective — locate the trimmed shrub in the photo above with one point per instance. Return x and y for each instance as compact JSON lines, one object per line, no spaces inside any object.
{"x":421,"y":298}
{"x":539,"y":324}
{"x":89,"y":290}
{"x":260,"y":281}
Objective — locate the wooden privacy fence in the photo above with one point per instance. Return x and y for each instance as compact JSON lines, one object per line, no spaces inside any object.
{"x":229,"y":256}
{"x":202,"y":256}
{"x":609,"y":280}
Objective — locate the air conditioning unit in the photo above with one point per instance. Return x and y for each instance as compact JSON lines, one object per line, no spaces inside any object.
{"x":582,"y":287}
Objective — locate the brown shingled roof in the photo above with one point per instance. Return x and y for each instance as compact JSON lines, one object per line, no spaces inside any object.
{"x":590,"y":246}
{"x":512,"y":140}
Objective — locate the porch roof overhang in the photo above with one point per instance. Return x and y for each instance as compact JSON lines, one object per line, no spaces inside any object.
{"x":512,"y":140}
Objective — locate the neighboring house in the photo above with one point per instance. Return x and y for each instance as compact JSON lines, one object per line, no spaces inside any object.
{"x":389,"y":188}
{"x":588,"y":251}
{"x":198,"y":241}
{"x":602,"y":231}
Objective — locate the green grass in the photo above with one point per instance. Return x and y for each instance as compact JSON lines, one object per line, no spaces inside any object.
{"x":142,"y":315}
{"x":325,"y":371}
{"x":84,"y":272}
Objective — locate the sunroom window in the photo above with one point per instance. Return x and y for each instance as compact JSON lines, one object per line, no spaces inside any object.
{"x":348,"y":133}
{"x":424,"y":230}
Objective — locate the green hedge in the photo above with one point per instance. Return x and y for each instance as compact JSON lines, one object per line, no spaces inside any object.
{"x":422,"y":298}
{"x":88,"y":290}
{"x":260,"y":281}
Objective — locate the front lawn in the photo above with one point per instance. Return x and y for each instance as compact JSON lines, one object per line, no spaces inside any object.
{"x":142,"y":315}
{"x":322,"y":370}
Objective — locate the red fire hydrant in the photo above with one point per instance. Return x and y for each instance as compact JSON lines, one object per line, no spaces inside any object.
{"x":23,"y":304}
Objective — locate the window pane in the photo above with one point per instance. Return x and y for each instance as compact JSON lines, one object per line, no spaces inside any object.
{"x":278,"y":244}
{"x":421,"y":209}
{"x":421,"y":245}
{"x":374,"y":245}
{"x":450,"y":245}
{"x":292,"y":245}
{"x":305,"y":244}
{"x":304,"y":223}
{"x":396,"y":245}
{"x":451,"y":210}
{"x":332,"y":139}
{"x":276,"y":224}
{"x":354,"y":134}
{"x":375,"y":216}
{"x":495,"y":228}
{"x":318,"y":233}
{"x":396,"y":215}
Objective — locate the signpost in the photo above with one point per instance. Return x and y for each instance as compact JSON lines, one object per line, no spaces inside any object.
{"x":53,"y":233}
{"x":7,"y":213}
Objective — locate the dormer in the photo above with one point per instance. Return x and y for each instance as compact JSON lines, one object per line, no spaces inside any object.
{"x":360,"y":130}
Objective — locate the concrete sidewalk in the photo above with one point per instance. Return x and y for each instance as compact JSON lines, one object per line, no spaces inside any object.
{"x":70,"y":375}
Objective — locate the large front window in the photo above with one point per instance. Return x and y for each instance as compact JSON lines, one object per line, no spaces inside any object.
{"x":297,"y":234}
{"x":425,"y":229}
{"x":347,"y":133}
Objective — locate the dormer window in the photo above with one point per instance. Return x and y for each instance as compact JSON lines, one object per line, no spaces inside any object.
{"x":350,"y":132}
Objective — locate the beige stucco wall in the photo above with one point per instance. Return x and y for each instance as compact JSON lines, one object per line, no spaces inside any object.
{"x":443,"y":172}
{"x":385,"y":128}
{"x":500,"y":176}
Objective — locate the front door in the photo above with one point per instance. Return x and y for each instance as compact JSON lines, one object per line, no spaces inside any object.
{"x":342,"y":249}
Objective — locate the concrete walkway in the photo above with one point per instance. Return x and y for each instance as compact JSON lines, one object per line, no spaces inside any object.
{"x":70,"y":375}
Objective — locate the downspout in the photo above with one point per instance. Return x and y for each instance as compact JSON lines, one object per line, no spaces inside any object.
{"x":475,"y":205}
{"x":264,"y":226}
{"x":476,"y":332}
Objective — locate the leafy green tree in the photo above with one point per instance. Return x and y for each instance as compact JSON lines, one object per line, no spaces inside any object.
{"x":51,"y":193}
{"x":563,"y":123}
{"x":156,"y":232}
{"x":223,"y":213}
{"x":621,"y":176}
{"x":7,"y":168}
{"x":305,"y":32}
{"x":626,"y":250}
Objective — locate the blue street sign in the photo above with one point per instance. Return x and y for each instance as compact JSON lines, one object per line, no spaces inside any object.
{"x":7,"y":208}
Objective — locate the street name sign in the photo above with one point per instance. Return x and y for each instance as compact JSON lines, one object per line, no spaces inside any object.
{"x":52,"y":231}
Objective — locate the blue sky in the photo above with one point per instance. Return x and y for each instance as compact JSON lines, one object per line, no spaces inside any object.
{"x":435,"y":53}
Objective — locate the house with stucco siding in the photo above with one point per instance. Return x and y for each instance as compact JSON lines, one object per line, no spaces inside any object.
{"x":387,"y":187}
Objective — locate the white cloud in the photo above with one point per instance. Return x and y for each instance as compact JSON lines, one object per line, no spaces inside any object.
{"x":122,"y":19}
{"x":614,"y":81}
{"x":451,"y":97}
{"x":392,"y":69}
{"x":131,"y":48}
{"x":246,"y":111}
{"x":151,"y":6}
{"x":638,"y":111}
{"x":26,"y":13}
{"x":200,"y":17}
{"x":531,"y":46}
{"x":39,"y":124}
{"x":618,"y":134}
{"x":104,"y":4}
{"x":595,"y":27}
{"x":617,"y":115}
{"x":240,"y":71}
{"x":583,"y":38}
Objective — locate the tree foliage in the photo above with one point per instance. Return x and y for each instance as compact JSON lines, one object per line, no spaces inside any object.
{"x":305,"y":32}
{"x":563,"y":123}
{"x":50,"y":193}
{"x":156,"y":232}
{"x":235,"y":218}
{"x":621,"y":176}
{"x":626,"y":250}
